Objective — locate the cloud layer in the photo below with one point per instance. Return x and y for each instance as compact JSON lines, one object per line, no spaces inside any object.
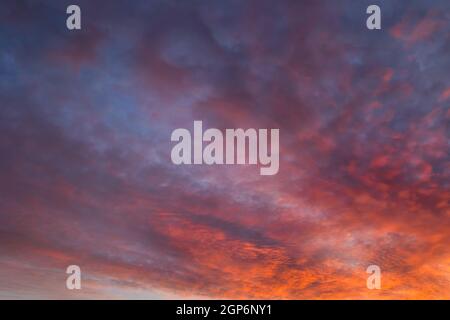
{"x":86,"y":176}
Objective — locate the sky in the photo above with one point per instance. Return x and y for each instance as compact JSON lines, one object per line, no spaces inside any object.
{"x":86,"y":176}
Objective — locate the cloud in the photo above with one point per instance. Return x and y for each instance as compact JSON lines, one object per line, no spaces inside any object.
{"x":86,"y":173}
